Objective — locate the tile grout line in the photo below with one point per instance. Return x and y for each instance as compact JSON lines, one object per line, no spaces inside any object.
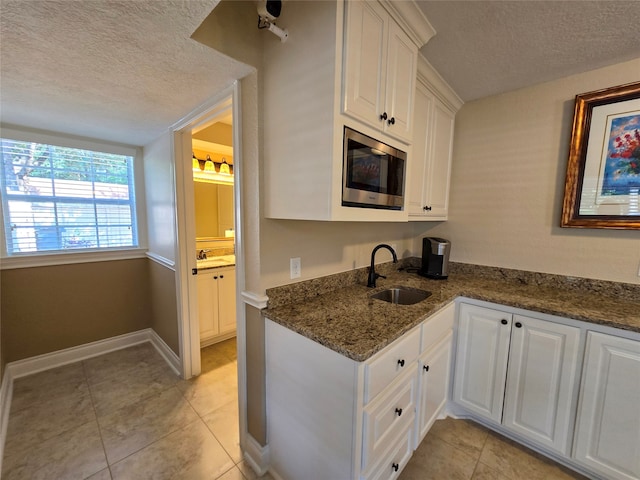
{"x":95,"y":412}
{"x":484,"y":444}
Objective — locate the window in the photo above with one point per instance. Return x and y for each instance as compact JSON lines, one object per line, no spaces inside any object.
{"x":61,"y":199}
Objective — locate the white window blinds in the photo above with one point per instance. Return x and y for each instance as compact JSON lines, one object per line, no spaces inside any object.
{"x":59,"y":199}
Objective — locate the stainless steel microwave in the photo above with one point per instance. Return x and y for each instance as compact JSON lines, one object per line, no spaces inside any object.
{"x":373,"y":174}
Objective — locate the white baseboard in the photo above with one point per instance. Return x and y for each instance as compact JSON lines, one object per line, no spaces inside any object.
{"x":6,"y":392}
{"x":29,"y":366}
{"x":217,"y":339}
{"x":256,"y":455}
{"x":163,"y":349}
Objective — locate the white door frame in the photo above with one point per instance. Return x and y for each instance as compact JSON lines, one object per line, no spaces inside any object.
{"x":188,"y":325}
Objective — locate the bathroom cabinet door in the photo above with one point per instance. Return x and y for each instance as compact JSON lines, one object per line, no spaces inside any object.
{"x":227,"y":300}
{"x":208,"y":304}
{"x":216,"y":304}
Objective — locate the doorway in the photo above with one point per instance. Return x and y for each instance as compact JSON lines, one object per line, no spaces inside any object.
{"x":189,"y":335}
{"x":221,"y":241}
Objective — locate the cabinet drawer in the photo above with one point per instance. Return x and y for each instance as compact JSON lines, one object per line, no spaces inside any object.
{"x":391,"y":363}
{"x":437,"y":326}
{"x":395,"y":460}
{"x":387,"y":416}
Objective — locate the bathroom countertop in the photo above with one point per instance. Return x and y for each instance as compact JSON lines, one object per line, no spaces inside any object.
{"x":216,"y":262}
{"x":349,"y":322}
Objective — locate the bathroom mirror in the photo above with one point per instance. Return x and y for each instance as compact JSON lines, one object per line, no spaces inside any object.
{"x":214,"y":211}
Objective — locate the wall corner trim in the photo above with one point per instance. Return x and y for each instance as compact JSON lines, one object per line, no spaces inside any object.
{"x":256,"y":300}
{"x":256,"y":455}
{"x":165,"y":262}
{"x":165,"y":351}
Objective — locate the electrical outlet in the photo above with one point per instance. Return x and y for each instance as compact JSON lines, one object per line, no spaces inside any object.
{"x":294,"y":266}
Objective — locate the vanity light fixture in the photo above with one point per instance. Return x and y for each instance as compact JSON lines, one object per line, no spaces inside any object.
{"x":210,"y":174}
{"x":224,"y":167}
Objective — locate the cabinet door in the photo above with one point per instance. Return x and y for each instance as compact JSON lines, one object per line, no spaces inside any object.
{"x":227,"y":300}
{"x":438,"y":166}
{"x":481,"y":360}
{"x":542,"y":375}
{"x":608,"y":423}
{"x":207,"y":305}
{"x":434,"y":370}
{"x":365,"y":57}
{"x":417,"y":163}
{"x":400,"y":83}
{"x":430,"y":166}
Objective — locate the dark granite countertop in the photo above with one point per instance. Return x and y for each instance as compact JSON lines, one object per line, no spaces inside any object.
{"x":349,"y":322}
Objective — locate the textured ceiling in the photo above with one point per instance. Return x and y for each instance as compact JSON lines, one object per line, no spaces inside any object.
{"x":122,"y":71}
{"x":125,"y":70}
{"x":483,"y":48}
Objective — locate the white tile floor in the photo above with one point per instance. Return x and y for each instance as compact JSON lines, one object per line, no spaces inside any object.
{"x":126,"y":415}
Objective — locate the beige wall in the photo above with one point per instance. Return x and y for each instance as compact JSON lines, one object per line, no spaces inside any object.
{"x":510,"y":157}
{"x":326,"y":247}
{"x":163,"y":304}
{"x":160,"y":191}
{"x":219,"y":133}
{"x":256,"y":382}
{"x":45,"y":309}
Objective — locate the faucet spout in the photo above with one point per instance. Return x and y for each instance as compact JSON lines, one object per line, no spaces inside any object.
{"x":371,"y":283}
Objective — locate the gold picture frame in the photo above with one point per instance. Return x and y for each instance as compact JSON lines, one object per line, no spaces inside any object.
{"x":603,"y":172}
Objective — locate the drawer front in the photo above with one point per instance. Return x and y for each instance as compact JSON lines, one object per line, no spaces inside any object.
{"x":391,"y":363}
{"x":395,"y":460}
{"x":437,"y":326}
{"x":387,"y":416}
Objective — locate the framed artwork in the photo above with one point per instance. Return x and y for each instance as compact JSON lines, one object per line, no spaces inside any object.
{"x":602,"y":186}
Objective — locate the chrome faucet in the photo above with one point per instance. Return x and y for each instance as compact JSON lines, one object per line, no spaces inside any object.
{"x":202,"y":254}
{"x":372,"y":271}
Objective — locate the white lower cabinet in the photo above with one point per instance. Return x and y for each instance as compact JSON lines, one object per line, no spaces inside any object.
{"x":392,"y":464}
{"x":608,"y":424}
{"x":389,"y":417}
{"x":520,"y":372}
{"x":330,"y":417}
{"x":216,"y":304}
{"x":433,"y":372}
{"x":434,"y":369}
{"x":481,"y":360}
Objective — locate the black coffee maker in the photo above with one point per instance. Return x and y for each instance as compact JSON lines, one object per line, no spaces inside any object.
{"x":435,"y":258}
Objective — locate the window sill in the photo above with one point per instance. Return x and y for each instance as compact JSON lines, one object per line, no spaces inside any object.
{"x":67,"y":258}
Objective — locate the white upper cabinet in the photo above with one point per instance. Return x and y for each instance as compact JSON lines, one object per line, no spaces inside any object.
{"x":379,"y":70}
{"x":429,"y":169}
{"x":330,"y":74}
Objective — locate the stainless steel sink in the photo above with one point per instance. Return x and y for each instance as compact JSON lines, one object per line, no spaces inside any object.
{"x":401,"y":295}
